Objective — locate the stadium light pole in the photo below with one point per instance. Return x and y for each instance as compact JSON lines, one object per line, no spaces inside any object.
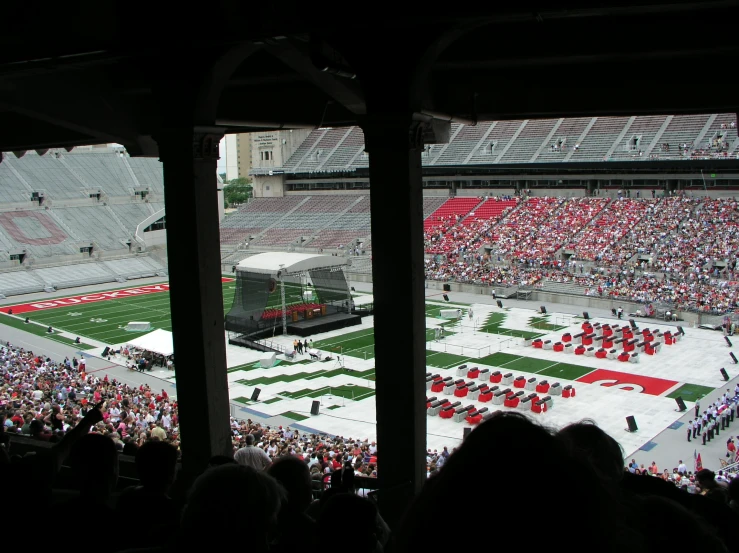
{"x":282,"y":294}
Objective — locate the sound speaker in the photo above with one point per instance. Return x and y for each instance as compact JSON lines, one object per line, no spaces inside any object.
{"x":77,"y":340}
{"x":680,"y":330}
{"x":255,"y":394}
{"x":733,"y":357}
{"x":106,"y":351}
{"x":725,"y":375}
{"x":500,"y":304}
{"x":631,"y":422}
{"x":446,"y":298}
{"x":543,"y":310}
{"x":28,"y":320}
{"x":632,"y":323}
{"x":447,"y":288}
{"x":315,"y":407}
{"x":728,"y":342}
{"x":466,"y":432}
{"x":586,"y":315}
{"x":680,"y":404}
{"x":49,"y":330}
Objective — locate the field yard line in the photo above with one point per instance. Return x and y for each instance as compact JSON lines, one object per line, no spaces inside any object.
{"x":84,"y":322}
{"x":550,"y":366}
{"x":310,"y":392}
{"x":513,"y":361}
{"x":364,"y":395}
{"x":115,"y":309}
{"x":333,"y":343}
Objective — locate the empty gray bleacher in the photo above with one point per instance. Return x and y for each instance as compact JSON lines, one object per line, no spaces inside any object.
{"x":352,"y":225}
{"x":644,"y":129}
{"x":255,"y":216}
{"x":599,"y":139}
{"x":11,"y":187}
{"x":323,"y":149}
{"x":308,"y":220}
{"x":36,"y":232}
{"x":569,"y":132}
{"x":135,"y":267}
{"x":494,"y":143}
{"x":104,"y":171}
{"x":683,"y":129}
{"x":148,"y":173}
{"x":464,"y":142}
{"x":91,"y":223}
{"x":69,"y":276}
{"x":306,"y":146}
{"x":49,"y":173}
{"x":131,"y":215}
{"x":19,"y":282}
{"x":528,"y":141}
{"x":344,"y":154}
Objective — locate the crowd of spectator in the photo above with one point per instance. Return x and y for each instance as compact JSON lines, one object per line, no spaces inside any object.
{"x":295,"y":491}
{"x":679,"y":250}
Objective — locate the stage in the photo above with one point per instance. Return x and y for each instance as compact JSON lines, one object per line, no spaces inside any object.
{"x":326,"y":323}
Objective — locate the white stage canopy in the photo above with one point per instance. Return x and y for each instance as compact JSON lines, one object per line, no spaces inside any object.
{"x":272,"y":262}
{"x":159,"y":341}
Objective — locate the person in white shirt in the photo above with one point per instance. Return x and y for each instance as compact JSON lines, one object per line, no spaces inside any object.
{"x":251,"y":456}
{"x":681,"y":468}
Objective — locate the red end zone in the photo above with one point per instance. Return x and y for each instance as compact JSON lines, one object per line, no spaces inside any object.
{"x":628,"y":382}
{"x":91,"y":298}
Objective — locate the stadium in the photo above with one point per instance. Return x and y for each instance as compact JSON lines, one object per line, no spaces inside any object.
{"x":452,"y":283}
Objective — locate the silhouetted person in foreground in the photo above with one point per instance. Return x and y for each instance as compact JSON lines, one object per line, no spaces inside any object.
{"x":571,"y":504}
{"x":156,"y":465}
{"x":652,"y":505}
{"x":295,"y":528}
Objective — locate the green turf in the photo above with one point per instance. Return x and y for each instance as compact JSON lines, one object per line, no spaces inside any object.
{"x":566,"y":371}
{"x":360,"y":343}
{"x":116,"y":314}
{"x":498,"y":359}
{"x":17,"y":322}
{"x":293,"y":415}
{"x":494,"y":324}
{"x":272,"y":400}
{"x":529,"y":365}
{"x":442,"y":360}
{"x":348,"y":392}
{"x":333,"y":407}
{"x":690,"y":392}
{"x":542,"y":323}
{"x":242,"y":399}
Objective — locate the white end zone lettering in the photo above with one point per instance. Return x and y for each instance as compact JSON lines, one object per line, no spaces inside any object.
{"x":626,"y":386}
{"x":44,"y":305}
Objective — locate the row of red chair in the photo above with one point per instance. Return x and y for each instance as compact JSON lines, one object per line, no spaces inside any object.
{"x":298,"y":307}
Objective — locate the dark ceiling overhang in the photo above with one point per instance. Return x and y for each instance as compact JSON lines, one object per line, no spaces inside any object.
{"x":70,"y":76}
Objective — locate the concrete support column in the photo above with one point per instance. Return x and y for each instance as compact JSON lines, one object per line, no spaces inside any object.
{"x":189,"y":156}
{"x":395,"y":144}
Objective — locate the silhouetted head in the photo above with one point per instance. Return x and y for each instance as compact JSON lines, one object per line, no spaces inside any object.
{"x":348,"y":518}
{"x":294,"y":476}
{"x":591,"y":444}
{"x":94,"y":461}
{"x":505,"y":445}
{"x":222,"y":498}
{"x":156,"y":464}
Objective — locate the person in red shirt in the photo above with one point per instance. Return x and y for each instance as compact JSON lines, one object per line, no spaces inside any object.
{"x":165,"y":395}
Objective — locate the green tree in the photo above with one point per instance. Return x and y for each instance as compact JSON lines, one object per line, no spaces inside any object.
{"x":223,"y":176}
{"x":237,"y":191}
